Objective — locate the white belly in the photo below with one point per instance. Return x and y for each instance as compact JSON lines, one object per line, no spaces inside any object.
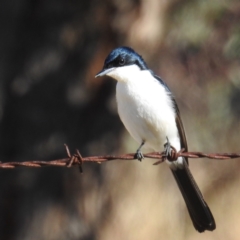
{"x":147,"y":112}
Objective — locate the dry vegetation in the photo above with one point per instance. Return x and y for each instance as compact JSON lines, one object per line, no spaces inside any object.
{"x":50,"y":52}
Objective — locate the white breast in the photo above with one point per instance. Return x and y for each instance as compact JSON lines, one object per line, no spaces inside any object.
{"x":146,"y":110}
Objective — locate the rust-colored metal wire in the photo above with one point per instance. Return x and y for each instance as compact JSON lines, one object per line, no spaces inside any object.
{"x":77,"y":160}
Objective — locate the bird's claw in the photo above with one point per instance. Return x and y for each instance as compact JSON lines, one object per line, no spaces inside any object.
{"x":139,"y":155}
{"x":167,"y":148}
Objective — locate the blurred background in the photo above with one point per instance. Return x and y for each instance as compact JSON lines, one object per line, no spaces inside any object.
{"x":50,"y":51}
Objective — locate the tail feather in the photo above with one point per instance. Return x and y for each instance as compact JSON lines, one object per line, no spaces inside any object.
{"x":198,"y":209}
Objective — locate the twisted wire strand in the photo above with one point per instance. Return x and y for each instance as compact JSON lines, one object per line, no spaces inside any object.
{"x":77,"y":160}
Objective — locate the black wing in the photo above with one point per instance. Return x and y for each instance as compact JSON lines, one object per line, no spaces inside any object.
{"x":179,"y":124}
{"x":198,"y":209}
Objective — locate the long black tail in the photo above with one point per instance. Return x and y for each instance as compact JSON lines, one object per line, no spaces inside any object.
{"x":198,"y":209}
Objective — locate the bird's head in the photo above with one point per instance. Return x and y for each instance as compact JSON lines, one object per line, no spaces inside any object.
{"x":121,"y":63}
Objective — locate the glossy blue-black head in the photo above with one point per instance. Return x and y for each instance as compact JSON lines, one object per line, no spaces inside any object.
{"x":120,"y":57}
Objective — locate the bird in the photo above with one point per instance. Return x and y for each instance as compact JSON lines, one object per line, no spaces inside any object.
{"x":150,"y":113}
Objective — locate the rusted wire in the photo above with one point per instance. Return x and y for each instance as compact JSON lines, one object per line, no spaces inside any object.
{"x":77,"y":160}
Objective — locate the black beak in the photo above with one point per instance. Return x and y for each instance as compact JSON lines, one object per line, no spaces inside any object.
{"x":104,"y":72}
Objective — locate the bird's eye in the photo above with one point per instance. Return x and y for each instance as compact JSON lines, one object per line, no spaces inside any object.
{"x":121,"y":61}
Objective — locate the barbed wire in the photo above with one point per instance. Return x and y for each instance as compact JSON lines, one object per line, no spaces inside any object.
{"x":77,"y":160}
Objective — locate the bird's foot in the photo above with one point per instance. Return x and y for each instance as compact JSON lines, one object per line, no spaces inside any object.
{"x":167,"y":148}
{"x":139,"y":155}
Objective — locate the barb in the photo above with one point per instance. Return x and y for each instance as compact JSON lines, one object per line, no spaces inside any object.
{"x":77,"y":160}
